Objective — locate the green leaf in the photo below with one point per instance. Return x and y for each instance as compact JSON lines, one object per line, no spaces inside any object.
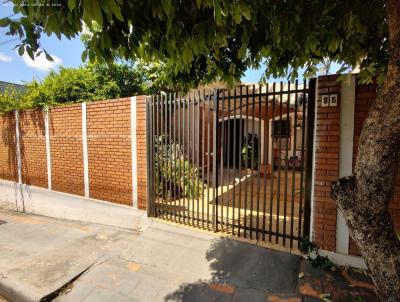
{"x":98,"y":16}
{"x":116,"y":10}
{"x":246,"y":11}
{"x":242,"y":51}
{"x":217,"y":11}
{"x":4,"y":22}
{"x":71,"y":4}
{"x":48,"y":57}
{"x":237,"y":16}
{"x":30,"y":53}
{"x":92,"y":56}
{"x":21,"y":50}
{"x":333,"y":45}
{"x":51,"y":25}
{"x":166,"y":5}
{"x":20,"y":32}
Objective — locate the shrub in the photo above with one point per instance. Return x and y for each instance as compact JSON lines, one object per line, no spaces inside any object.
{"x":11,"y":100}
{"x":85,"y":83}
{"x":248,"y":151}
{"x":176,"y":176}
{"x":314,"y":258}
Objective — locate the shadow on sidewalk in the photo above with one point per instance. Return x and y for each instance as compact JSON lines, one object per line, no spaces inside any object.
{"x":244,"y":272}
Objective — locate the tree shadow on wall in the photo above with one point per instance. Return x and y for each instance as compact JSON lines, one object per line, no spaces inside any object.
{"x":238,"y":269}
{"x":32,"y":133}
{"x":8,"y":135}
{"x":28,"y":119}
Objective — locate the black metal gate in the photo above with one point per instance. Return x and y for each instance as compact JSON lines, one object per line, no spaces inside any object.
{"x":237,"y":161}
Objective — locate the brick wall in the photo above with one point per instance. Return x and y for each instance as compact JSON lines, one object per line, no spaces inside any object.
{"x":8,"y":159}
{"x":33,"y":148}
{"x":65,"y":125}
{"x":109,"y":150}
{"x":141,"y":151}
{"x":327,"y":160}
{"x":326,"y":165}
{"x":108,"y":142}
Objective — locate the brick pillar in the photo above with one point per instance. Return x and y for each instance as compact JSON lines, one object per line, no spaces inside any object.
{"x":141,"y":152}
{"x":337,"y":134}
{"x":326,"y":165}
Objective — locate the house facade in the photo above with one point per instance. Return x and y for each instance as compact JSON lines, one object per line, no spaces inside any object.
{"x":100,"y":161}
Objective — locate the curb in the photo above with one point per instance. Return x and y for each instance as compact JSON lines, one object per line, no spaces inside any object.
{"x":16,"y":293}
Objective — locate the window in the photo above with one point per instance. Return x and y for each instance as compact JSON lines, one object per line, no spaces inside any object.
{"x":281,"y":128}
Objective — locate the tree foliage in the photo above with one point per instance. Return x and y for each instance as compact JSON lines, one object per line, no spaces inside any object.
{"x":85,"y":83}
{"x":200,"y":40}
{"x":10,"y":100}
{"x":69,"y":85}
{"x":121,"y":80}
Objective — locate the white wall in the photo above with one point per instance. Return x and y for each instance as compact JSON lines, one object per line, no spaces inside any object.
{"x":35,"y":200}
{"x":347,"y":106}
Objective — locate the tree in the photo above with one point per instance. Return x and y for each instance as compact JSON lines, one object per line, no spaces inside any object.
{"x":198,"y":41}
{"x":11,"y":100}
{"x":129,"y":79}
{"x":68,"y":85}
{"x":91,"y":82}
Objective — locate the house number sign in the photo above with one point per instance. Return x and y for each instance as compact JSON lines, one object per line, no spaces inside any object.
{"x":329,"y":100}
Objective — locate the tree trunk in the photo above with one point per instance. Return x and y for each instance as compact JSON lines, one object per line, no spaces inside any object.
{"x":364,"y":197}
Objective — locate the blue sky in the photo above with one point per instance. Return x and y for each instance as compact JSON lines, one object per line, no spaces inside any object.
{"x":14,"y":68}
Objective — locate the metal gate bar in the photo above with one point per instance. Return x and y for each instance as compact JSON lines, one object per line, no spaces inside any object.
{"x":266,"y":154}
{"x":294,"y":166}
{"x":272,"y":167}
{"x":234,"y":156}
{"x":240,"y":158}
{"x":279,"y":164}
{"x":233,"y":160}
{"x":228,"y":157}
{"x":221,"y":152}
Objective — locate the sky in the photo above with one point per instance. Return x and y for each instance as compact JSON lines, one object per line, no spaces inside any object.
{"x":17,"y":69}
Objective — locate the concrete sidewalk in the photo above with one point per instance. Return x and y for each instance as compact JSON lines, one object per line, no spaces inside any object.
{"x":50,"y":259}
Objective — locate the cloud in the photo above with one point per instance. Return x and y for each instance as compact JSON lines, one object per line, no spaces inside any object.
{"x":41,"y":63}
{"x":5,"y":58}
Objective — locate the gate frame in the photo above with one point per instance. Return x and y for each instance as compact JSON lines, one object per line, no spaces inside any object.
{"x":309,"y":173}
{"x":150,"y":158}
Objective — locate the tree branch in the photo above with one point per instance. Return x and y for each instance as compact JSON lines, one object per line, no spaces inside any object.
{"x":344,"y":192}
